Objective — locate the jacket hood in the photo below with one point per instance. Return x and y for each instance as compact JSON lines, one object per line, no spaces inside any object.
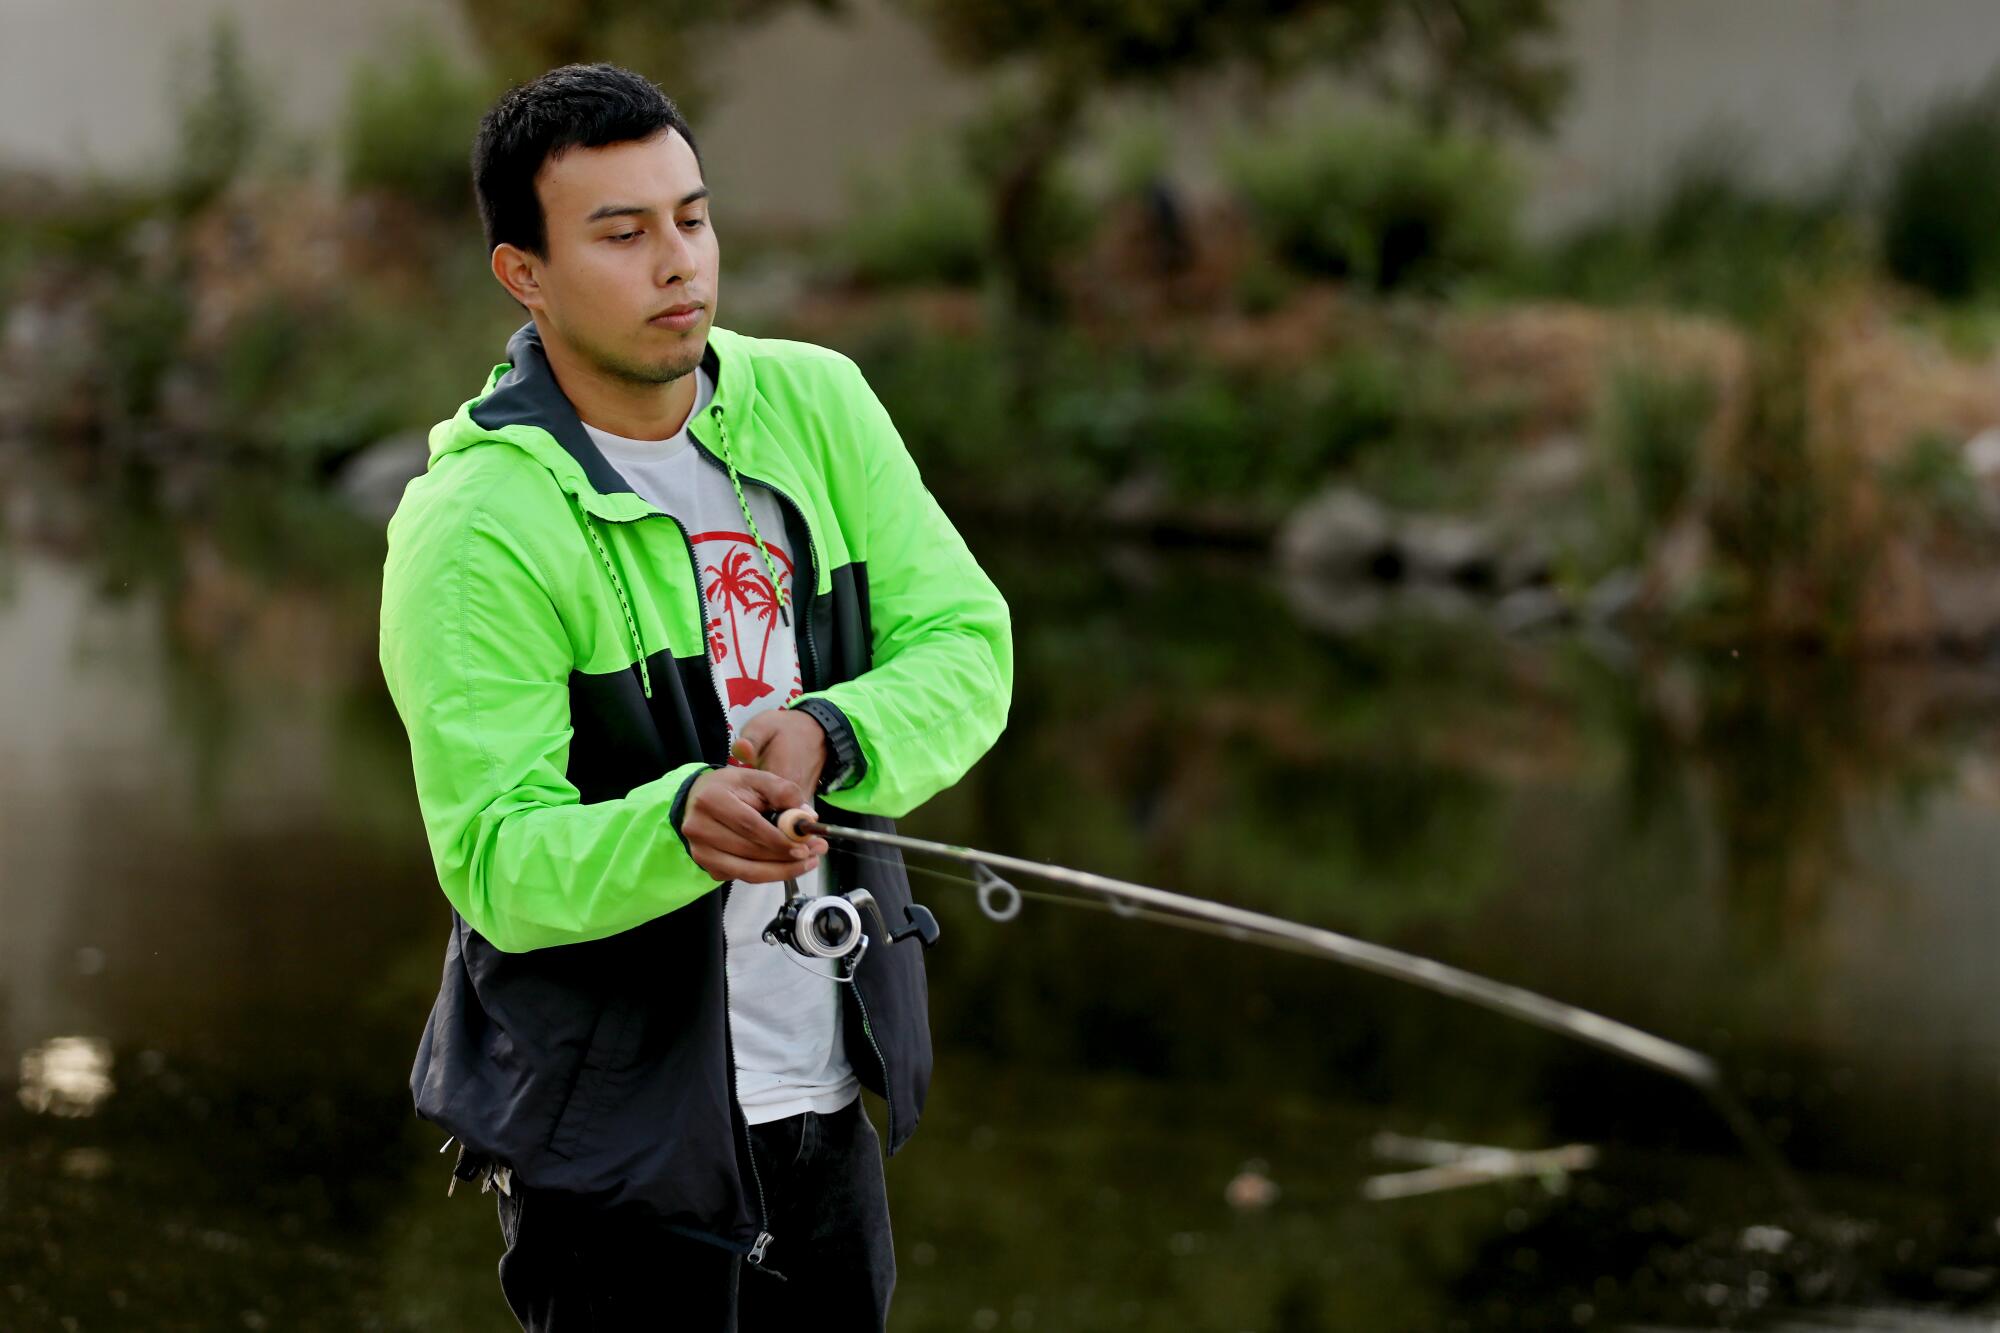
{"x":523,"y":405}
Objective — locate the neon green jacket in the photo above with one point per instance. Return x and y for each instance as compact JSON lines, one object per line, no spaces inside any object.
{"x":535,"y":610}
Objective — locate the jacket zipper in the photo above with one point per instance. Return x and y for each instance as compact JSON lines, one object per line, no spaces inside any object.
{"x":763,"y":1241}
{"x":868,"y":1031}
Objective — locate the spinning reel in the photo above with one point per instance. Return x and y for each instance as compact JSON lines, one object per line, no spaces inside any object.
{"x":829,"y":925}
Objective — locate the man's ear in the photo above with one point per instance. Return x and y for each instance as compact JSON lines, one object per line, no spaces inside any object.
{"x":519,"y":272}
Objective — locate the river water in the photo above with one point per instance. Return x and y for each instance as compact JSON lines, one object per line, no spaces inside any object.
{"x":219,"y":937}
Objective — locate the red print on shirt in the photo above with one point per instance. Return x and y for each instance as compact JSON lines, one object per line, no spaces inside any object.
{"x":743,"y":616}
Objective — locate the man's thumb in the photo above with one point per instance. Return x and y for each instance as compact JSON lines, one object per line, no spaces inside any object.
{"x":745,"y":750}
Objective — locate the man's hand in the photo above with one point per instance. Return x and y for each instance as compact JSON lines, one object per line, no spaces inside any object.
{"x":786,"y":742}
{"x":727,"y":835}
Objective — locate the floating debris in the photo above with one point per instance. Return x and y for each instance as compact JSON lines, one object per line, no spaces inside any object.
{"x":1450,"y":1166}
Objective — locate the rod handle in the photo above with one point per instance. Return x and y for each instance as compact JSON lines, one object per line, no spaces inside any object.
{"x":797,"y":823}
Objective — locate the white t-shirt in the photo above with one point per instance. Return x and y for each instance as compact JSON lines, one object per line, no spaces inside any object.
{"x":784,"y":1009}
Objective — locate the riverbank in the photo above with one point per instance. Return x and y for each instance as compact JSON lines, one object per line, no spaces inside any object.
{"x":1825,"y":474}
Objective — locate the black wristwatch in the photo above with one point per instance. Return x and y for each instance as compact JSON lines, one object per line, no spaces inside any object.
{"x":844,"y":764}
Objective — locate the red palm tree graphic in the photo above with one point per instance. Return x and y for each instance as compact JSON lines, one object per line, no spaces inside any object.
{"x":737,"y":583}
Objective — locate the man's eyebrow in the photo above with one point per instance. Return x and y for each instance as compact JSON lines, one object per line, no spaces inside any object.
{"x":639,"y":210}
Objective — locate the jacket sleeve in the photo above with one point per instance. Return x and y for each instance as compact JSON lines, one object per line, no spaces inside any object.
{"x":937,"y":694}
{"x":477,"y":661}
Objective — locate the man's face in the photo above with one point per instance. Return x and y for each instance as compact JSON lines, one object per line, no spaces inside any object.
{"x":629,"y":279}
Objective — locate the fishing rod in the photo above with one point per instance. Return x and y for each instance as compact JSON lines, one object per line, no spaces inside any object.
{"x":826,"y":931}
{"x":829,"y":926}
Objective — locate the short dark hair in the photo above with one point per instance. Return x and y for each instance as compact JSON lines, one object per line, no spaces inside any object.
{"x":573,"y":106}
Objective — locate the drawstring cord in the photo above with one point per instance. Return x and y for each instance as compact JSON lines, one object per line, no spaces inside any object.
{"x":631,"y":625}
{"x":778,"y":589}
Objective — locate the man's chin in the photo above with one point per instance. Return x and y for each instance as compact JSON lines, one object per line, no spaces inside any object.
{"x":657,"y":370}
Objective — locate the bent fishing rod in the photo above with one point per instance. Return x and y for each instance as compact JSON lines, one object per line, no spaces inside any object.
{"x":829,"y":926}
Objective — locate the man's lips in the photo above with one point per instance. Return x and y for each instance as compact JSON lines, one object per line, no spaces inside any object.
{"x":678,"y":317}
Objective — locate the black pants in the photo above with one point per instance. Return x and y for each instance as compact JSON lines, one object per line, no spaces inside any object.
{"x":565,"y":1272}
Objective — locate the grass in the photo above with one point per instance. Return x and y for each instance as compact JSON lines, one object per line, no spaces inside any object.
{"x":1648,"y":427}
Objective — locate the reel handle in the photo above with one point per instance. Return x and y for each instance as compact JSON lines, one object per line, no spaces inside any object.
{"x":922,"y":924}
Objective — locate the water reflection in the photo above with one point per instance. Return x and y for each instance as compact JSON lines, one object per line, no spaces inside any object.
{"x":66,"y":1076}
{"x":213,"y":865}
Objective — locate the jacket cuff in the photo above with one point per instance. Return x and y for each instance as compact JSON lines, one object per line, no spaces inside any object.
{"x":845,"y":763}
{"x":678,"y":810}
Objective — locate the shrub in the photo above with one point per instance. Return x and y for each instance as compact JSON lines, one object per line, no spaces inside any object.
{"x":1943,"y":196}
{"x":310,"y":381}
{"x":1378,"y":198}
{"x":924,"y":221}
{"x":1065,"y":418}
{"x":409,"y":128}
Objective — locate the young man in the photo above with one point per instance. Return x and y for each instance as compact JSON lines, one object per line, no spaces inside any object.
{"x":659,"y":581}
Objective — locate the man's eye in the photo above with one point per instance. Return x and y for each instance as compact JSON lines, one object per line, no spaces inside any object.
{"x":622,"y":236}
{"x":693,"y":223}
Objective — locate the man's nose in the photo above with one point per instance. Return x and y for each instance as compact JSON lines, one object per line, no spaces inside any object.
{"x":676,"y":260}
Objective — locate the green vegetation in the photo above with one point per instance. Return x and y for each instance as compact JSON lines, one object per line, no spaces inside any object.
{"x":1712,"y":241}
{"x":1937,"y":223}
{"x":1060,"y":425}
{"x":1649,"y":427}
{"x":223,"y":120}
{"x":1450,"y":58}
{"x":1377,"y":198}
{"x":922,"y":222}
{"x":409,"y":127}
{"x":307,"y":392}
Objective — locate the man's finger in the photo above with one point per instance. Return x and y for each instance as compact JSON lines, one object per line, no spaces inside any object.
{"x":757,"y":872}
{"x":779,"y":792}
{"x":739,"y":807}
{"x":702,"y":825}
{"x":719,"y":839}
